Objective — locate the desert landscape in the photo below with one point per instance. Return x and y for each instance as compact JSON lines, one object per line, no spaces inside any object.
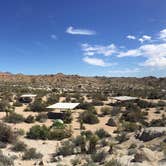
{"x":117,"y":122}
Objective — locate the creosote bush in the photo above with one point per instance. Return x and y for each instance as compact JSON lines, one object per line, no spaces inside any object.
{"x":14,"y":118}
{"x":98,"y":156}
{"x":31,"y":154}
{"x":19,"y":146}
{"x":30,"y":119}
{"x":6,"y":134}
{"x":89,"y":117}
{"x":101,"y":133}
{"x":44,"y":132}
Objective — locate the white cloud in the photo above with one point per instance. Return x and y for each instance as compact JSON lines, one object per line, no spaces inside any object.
{"x":53,"y":36}
{"x":154,"y":53}
{"x":74,"y":31}
{"x":98,"y":49}
{"x":131,"y":37}
{"x":145,"y":38}
{"x":95,"y":61}
{"x":162,"y":34}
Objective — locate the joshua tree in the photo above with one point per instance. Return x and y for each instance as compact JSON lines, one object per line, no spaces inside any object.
{"x":6,"y":107}
{"x":92,"y":143}
{"x":111,"y":145}
{"x":83,"y":144}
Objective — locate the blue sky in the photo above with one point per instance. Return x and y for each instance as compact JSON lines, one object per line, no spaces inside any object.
{"x":108,"y":37}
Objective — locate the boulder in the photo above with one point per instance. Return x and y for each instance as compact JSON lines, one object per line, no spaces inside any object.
{"x":150,"y":133}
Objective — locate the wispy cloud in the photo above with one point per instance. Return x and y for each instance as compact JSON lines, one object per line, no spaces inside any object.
{"x":131,"y":37}
{"x":74,"y":31}
{"x":145,"y":38}
{"x":96,"y":61}
{"x":98,"y":49}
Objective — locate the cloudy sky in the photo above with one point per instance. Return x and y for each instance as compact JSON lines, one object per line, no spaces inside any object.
{"x":108,"y":37}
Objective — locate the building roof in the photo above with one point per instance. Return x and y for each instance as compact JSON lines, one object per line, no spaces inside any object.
{"x":64,"y":105}
{"x":124,"y":98}
{"x":28,"y":95}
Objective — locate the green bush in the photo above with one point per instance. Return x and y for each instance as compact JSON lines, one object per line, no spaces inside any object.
{"x":66,"y":148}
{"x":112,"y":162}
{"x":30,"y":119}
{"x":98,"y":156}
{"x":68,"y":117}
{"x":14,"y":118}
{"x":130,"y":126}
{"x":111,"y":122}
{"x":89,"y":117}
{"x":43,"y":132}
{"x":38,"y":106}
{"x":101,"y":133}
{"x":38,"y":132}
{"x":6,"y":134}
{"x":19,"y":146}
{"x":59,"y":134}
{"x":31,"y":154}
{"x":17,"y":104}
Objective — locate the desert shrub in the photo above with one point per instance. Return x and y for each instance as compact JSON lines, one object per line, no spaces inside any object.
{"x":68,"y":117}
{"x":115,"y":111}
{"x":30,"y":119}
{"x":85,"y":106}
{"x":89,"y":117}
{"x":132,"y":151}
{"x":5,"y":160}
{"x":14,"y":118}
{"x":97,"y":103}
{"x":37,"y":106}
{"x":105,"y":111}
{"x":158,"y":122}
{"x":75,"y":161}
{"x":101,"y":133}
{"x":66,"y":148}
{"x":112,"y":162}
{"x":19,"y":146}
{"x":93,"y":140}
{"x":41,"y":117}
{"x":98,"y":156}
{"x":144,"y":104}
{"x":134,"y":115}
{"x":53,"y":98}
{"x":38,"y":132}
{"x":87,"y":133}
{"x":121,"y":137}
{"x":31,"y":154}
{"x":6,"y":134}
{"x":161,"y":103}
{"x":111,"y":122}
{"x":130,"y":126}
{"x":133,"y":145}
{"x":17,"y":104}
{"x":103,"y":142}
{"x":59,"y":134}
{"x":43,"y":132}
